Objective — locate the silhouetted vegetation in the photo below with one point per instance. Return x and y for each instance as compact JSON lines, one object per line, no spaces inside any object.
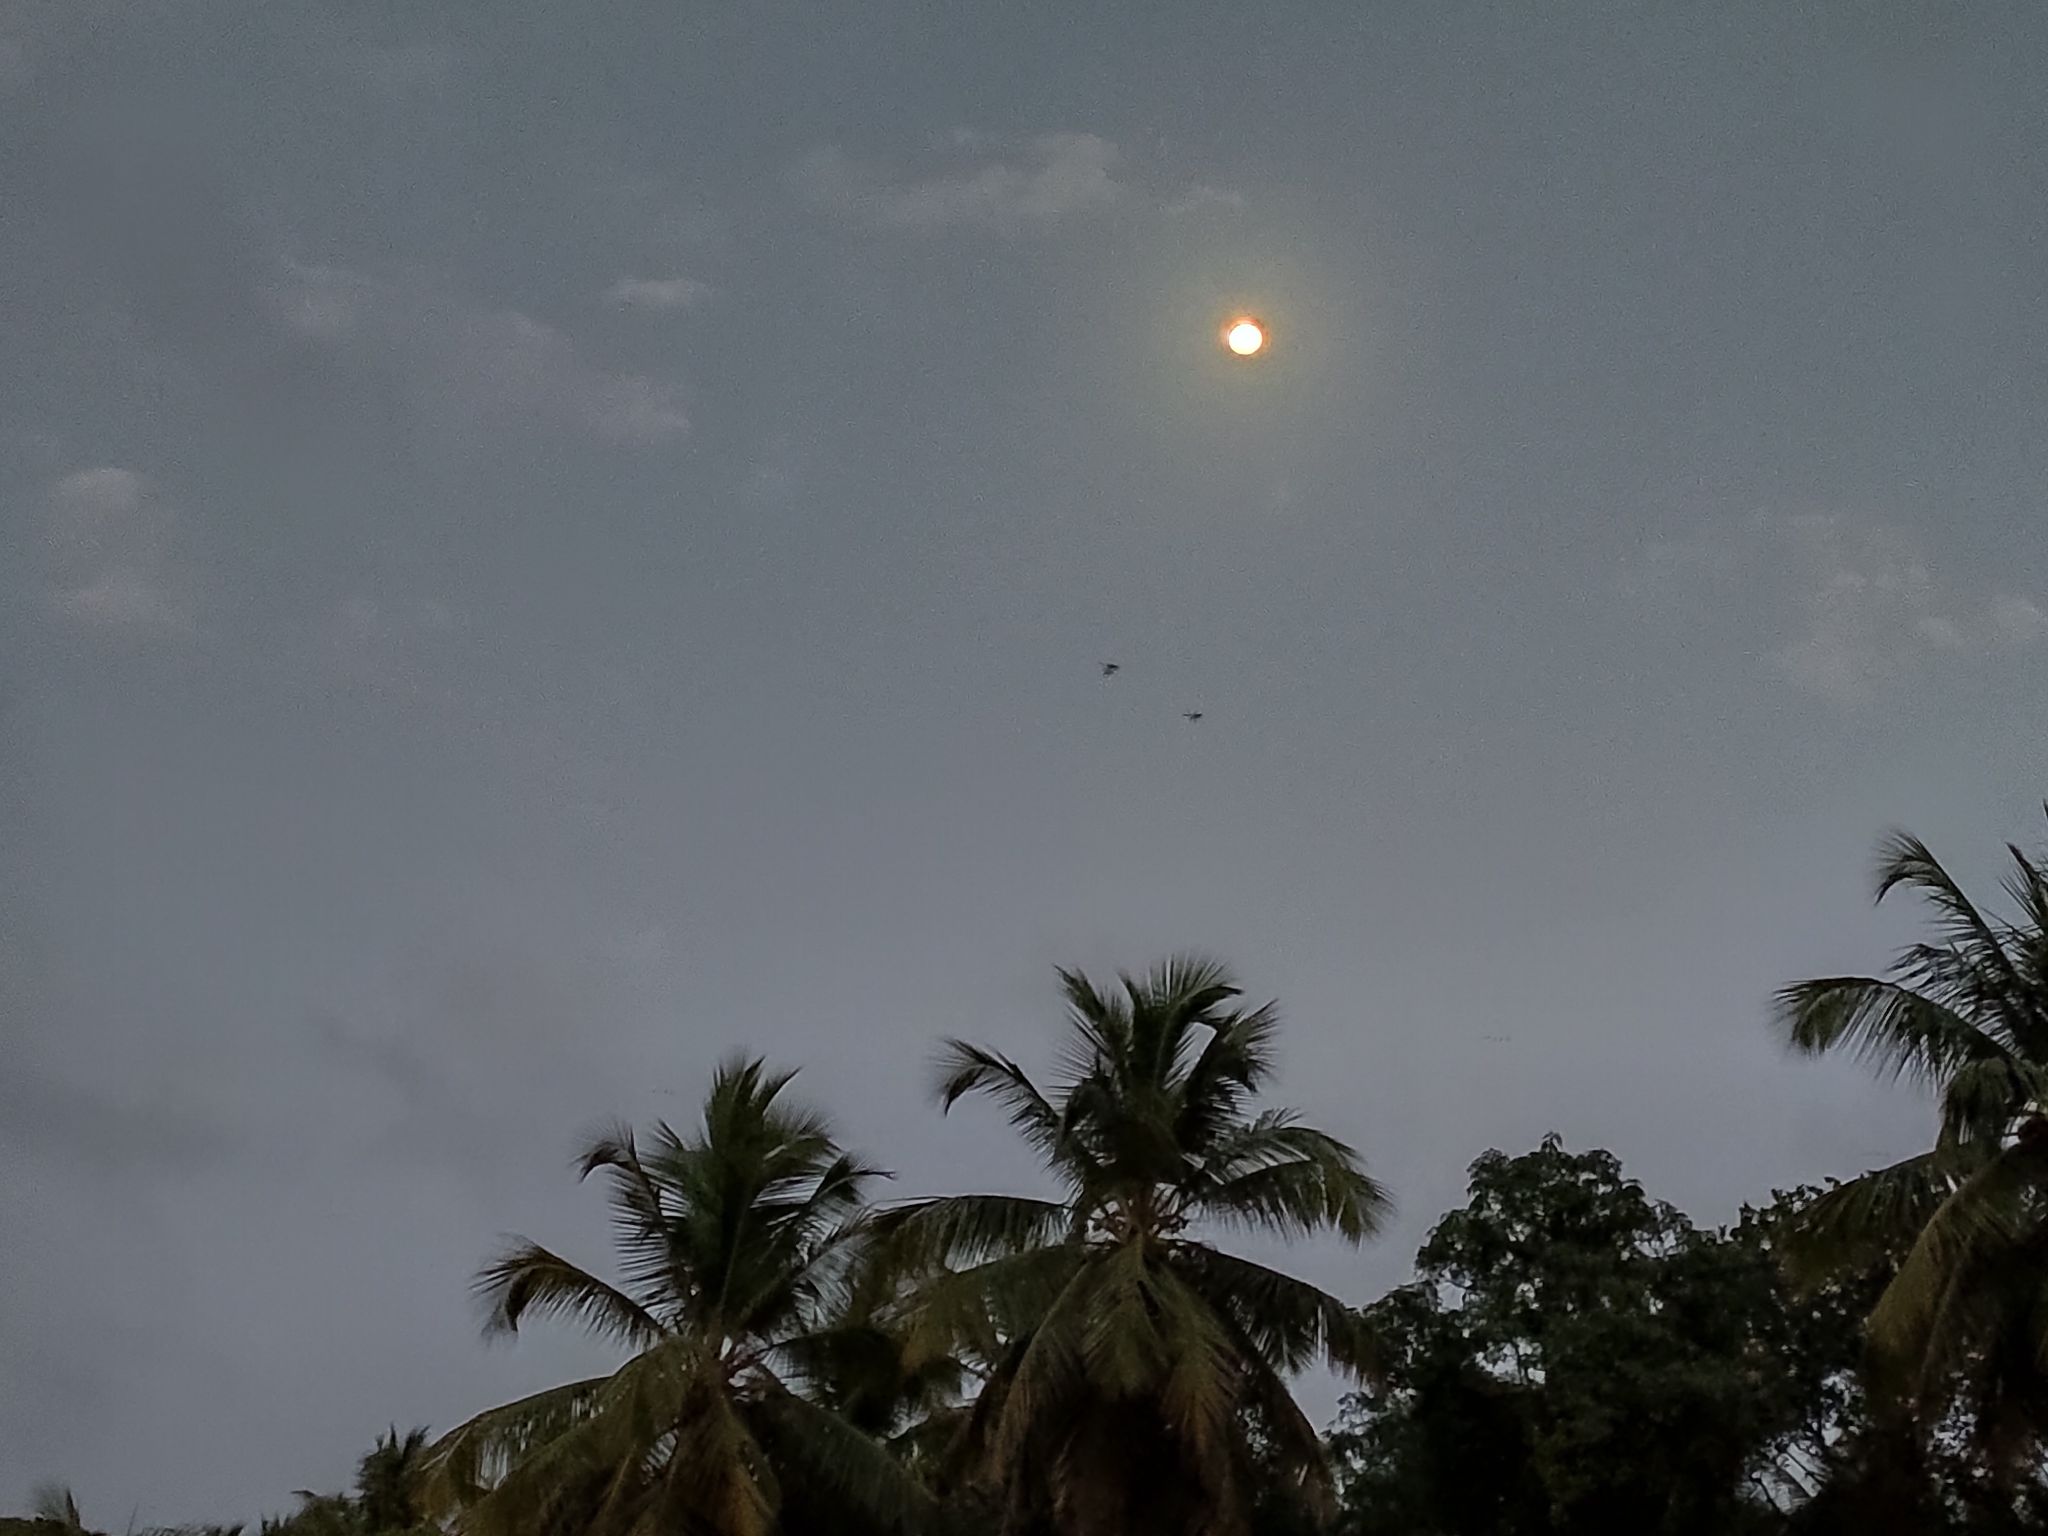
{"x":1572,"y":1354}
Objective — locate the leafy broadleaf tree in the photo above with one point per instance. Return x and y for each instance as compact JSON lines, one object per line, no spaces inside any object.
{"x":1963,"y":1222}
{"x":1576,"y":1356}
{"x":735,"y":1246}
{"x":1137,"y":1374}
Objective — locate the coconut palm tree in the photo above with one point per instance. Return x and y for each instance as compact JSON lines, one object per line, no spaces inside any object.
{"x":1962,"y":1222}
{"x":387,"y":1482}
{"x":1131,"y":1364}
{"x":734,"y":1243}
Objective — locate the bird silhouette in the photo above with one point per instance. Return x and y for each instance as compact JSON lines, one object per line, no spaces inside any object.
{"x":1111,"y":668}
{"x":1191,"y":716}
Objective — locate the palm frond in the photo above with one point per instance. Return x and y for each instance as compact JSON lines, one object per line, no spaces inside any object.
{"x":1237,"y":1058}
{"x":1898,"y":1030}
{"x":1982,"y":1100}
{"x":968,"y":1229}
{"x":643,"y":1225}
{"x":963,"y":1069}
{"x":1293,"y":1181}
{"x":1864,"y":1221}
{"x":977,"y":1309}
{"x":1199,"y":1392}
{"x":1904,"y":860}
{"x":1290,"y":1322}
{"x":527,"y":1278}
{"x":1984,"y":1215}
{"x":1040,"y":1381}
{"x":856,"y":1470}
{"x":466,"y":1461}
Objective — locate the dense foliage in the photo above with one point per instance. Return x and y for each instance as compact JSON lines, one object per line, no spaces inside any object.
{"x":1572,"y":1355}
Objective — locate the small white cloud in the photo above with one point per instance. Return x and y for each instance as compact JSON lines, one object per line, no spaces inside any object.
{"x":90,"y":506}
{"x":1864,"y":608}
{"x":1031,"y":187}
{"x":389,"y":644}
{"x":457,"y":355}
{"x":114,"y":565}
{"x":662,"y":295}
{"x":130,"y":600}
{"x":2018,"y":620}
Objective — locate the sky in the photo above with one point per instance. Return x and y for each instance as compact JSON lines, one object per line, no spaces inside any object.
{"x":541,"y":546}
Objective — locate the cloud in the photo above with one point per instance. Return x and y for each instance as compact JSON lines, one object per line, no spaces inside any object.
{"x":2018,"y":620}
{"x":114,"y":564}
{"x":388,"y":644}
{"x":1862,"y":607}
{"x":453,"y":353}
{"x":1022,"y":188}
{"x":662,"y":295}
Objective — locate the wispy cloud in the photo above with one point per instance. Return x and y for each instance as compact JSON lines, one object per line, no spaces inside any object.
{"x":1008,"y":189}
{"x":388,"y":643}
{"x":1860,"y":607}
{"x":114,"y":562}
{"x":661,"y":295}
{"x":454,"y":353}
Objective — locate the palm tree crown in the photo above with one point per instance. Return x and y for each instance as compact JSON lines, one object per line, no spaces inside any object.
{"x":734,"y":1242}
{"x":1966,"y":1014}
{"x":1129,"y":1362}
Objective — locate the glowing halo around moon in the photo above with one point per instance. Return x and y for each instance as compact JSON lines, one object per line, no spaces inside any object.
{"x":1244,"y":336}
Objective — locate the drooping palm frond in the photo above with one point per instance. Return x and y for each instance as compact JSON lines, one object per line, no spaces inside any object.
{"x":1861,"y":1222}
{"x":1899,"y":1031}
{"x":1983,"y":1099}
{"x":1290,"y":1322}
{"x":471,"y":1458}
{"x":1275,"y":1176}
{"x":1984,"y":1215}
{"x":836,"y":1458}
{"x":979,"y":1311}
{"x":968,"y":1229}
{"x":527,"y":1278}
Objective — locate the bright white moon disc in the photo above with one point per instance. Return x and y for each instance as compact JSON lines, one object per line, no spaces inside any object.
{"x":1244,"y":337}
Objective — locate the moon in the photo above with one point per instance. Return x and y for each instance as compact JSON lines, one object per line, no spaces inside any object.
{"x":1244,"y":336}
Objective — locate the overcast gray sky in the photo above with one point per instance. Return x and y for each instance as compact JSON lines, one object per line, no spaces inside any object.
{"x":545,"y":544}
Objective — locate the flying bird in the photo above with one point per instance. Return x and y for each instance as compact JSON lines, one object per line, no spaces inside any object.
{"x":1191,"y":716}
{"x":1111,"y":668}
